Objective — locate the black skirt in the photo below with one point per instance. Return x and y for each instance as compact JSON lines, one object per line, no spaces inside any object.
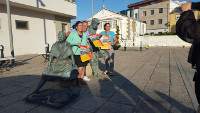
{"x":78,"y":61}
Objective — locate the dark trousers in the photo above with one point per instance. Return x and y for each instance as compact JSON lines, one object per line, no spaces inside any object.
{"x":197,"y":85}
{"x":197,"y":76}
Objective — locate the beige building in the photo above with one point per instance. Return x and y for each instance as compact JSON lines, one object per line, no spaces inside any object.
{"x":156,"y":16}
{"x":175,"y":15}
{"x":34,"y":23}
{"x":155,"y":13}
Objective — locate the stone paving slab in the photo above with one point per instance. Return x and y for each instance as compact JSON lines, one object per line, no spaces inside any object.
{"x":150,"y":105}
{"x":44,"y":109}
{"x":111,"y":107}
{"x":74,"y":111}
{"x":147,"y":81}
{"x":10,"y":90}
{"x":128,"y":94}
{"x":18,"y":107}
{"x":89,"y":103}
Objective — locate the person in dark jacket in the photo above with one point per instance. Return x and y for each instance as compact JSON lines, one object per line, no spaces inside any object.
{"x":188,"y":29}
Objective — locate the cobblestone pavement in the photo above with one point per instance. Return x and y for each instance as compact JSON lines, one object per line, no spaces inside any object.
{"x":157,"y":80}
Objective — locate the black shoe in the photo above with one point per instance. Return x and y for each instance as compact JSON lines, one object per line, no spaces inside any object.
{"x":111,"y":74}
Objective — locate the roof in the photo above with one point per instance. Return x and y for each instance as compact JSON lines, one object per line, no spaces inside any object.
{"x":113,"y":12}
{"x":180,"y":3}
{"x":110,"y":11}
{"x":176,"y":10}
{"x":139,"y":3}
{"x":146,"y":1}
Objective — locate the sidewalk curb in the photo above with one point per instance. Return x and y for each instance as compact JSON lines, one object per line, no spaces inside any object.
{"x":187,"y":84}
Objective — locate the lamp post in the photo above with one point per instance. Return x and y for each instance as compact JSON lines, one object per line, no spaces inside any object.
{"x":10,"y":31}
{"x":92,"y":8}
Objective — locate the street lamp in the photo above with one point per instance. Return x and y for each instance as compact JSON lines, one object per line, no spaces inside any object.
{"x":92,"y":8}
{"x":10,"y":31}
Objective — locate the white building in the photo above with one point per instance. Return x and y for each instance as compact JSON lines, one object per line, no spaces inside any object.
{"x":125,"y":23}
{"x":34,"y":23}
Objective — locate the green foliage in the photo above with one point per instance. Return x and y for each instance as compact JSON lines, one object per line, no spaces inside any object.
{"x":147,"y":34}
{"x":160,"y":33}
{"x":1,"y":71}
{"x":117,"y":33}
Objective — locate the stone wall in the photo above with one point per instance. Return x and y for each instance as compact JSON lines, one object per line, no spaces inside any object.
{"x":156,"y":41}
{"x":169,"y":40}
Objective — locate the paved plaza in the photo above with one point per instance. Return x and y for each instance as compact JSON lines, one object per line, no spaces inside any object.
{"x":157,"y":80}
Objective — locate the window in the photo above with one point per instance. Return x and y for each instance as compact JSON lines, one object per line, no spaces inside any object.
{"x":64,"y":27}
{"x":73,"y":1}
{"x":144,"y":13}
{"x":131,"y":13}
{"x":110,"y":22}
{"x":21,"y":24}
{"x":135,"y":15}
{"x":159,"y":21}
{"x":104,"y":22}
{"x":177,"y":16}
{"x":160,"y":10}
{"x":100,"y":25}
{"x":152,"y":22}
{"x":114,"y":23}
{"x":152,"y":12}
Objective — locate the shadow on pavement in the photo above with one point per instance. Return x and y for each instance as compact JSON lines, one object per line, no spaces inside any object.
{"x":175,"y":104}
{"x":25,"y":61}
{"x":121,"y":91}
{"x":118,"y":94}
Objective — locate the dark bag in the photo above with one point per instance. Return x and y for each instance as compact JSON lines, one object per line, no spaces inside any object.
{"x":116,"y":47}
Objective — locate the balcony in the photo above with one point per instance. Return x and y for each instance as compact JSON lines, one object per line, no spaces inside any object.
{"x":66,"y":8}
{"x":72,"y":1}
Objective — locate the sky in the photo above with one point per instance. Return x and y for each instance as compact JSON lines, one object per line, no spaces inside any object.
{"x":84,"y":7}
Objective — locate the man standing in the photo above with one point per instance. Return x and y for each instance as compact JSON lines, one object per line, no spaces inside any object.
{"x":188,"y":29}
{"x":85,"y":27}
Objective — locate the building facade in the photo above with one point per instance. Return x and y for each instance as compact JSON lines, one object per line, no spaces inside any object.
{"x":34,"y":23}
{"x":155,"y":13}
{"x":174,"y":16}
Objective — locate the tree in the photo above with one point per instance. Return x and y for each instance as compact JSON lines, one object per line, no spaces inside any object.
{"x":117,"y":35}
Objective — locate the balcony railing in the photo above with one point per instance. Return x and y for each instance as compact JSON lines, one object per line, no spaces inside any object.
{"x":72,"y":1}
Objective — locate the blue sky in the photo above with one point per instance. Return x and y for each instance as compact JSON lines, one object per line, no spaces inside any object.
{"x":84,"y":7}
